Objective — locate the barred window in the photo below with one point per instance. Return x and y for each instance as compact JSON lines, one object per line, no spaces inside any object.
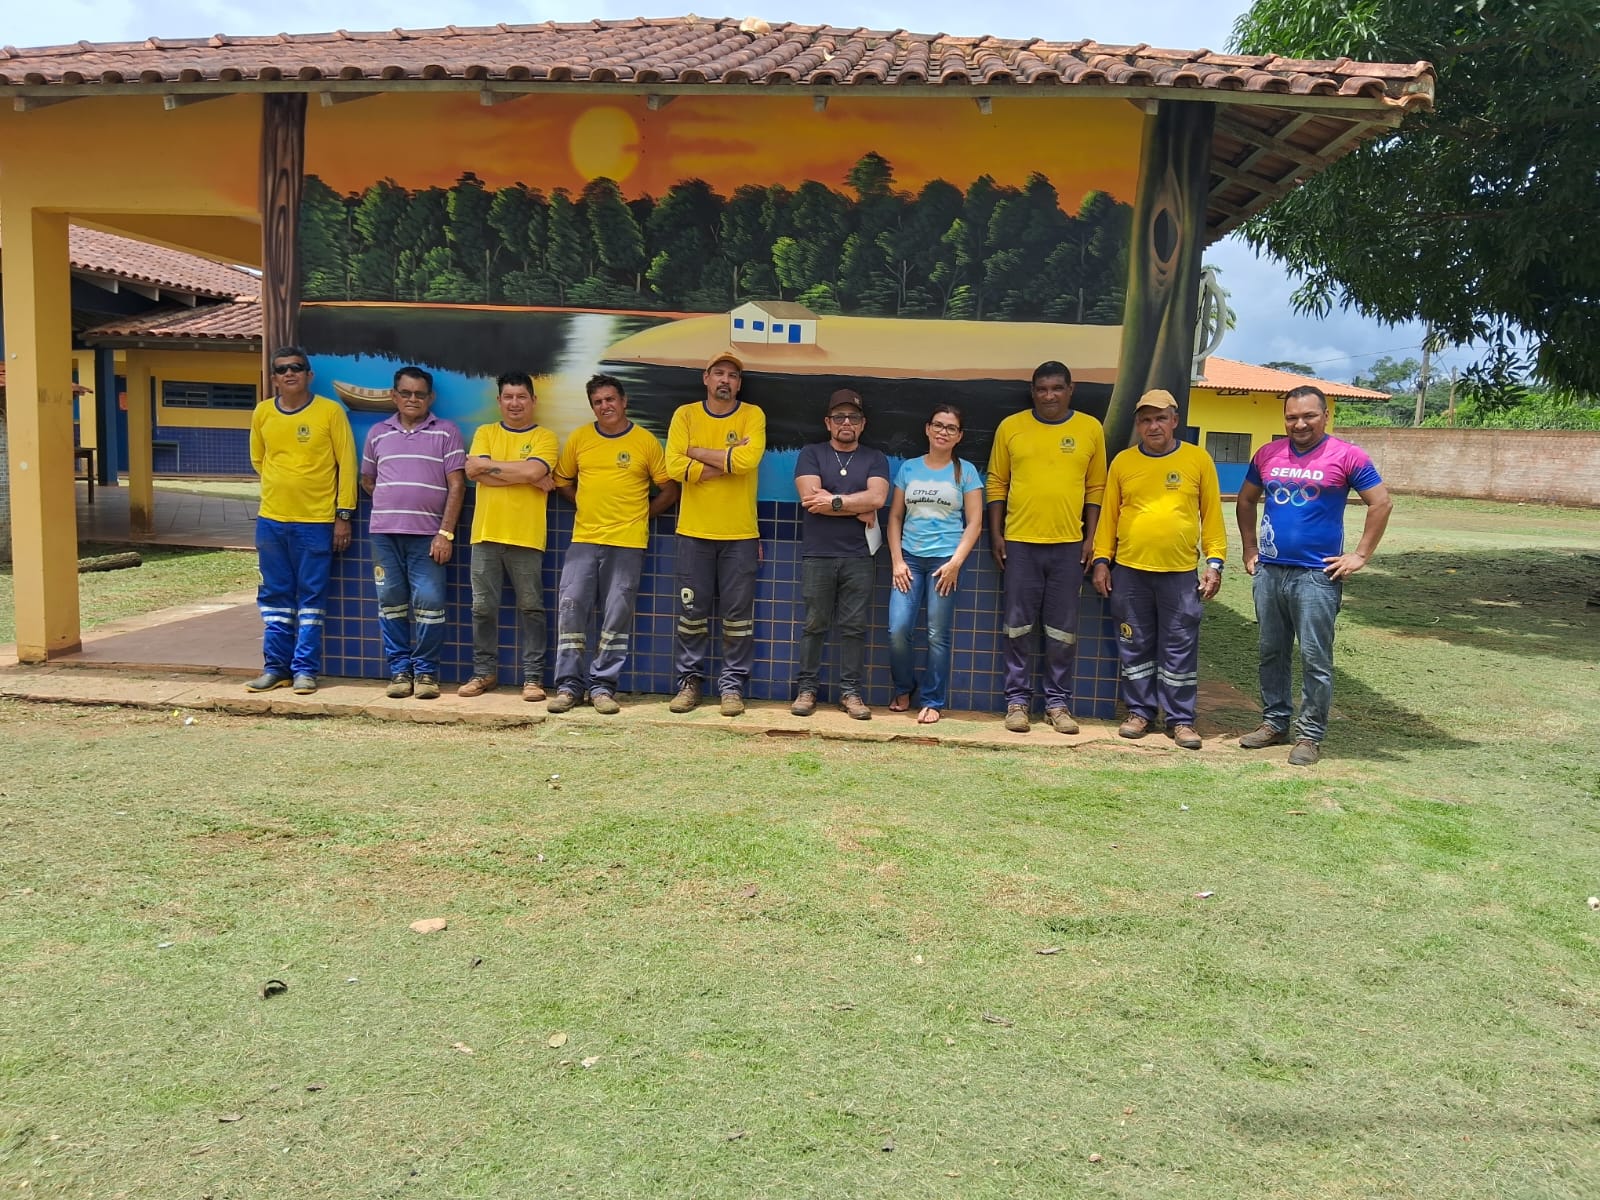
{"x":179,"y":394}
{"x":1228,"y":447}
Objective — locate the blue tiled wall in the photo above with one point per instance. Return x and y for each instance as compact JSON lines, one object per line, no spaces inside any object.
{"x":353,"y":647}
{"x":202,"y":451}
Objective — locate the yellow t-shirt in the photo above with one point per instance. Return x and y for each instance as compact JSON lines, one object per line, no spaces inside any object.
{"x":1157,"y":510}
{"x":1046,"y":474}
{"x":515,"y":515}
{"x":613,"y":474}
{"x":721,"y":509}
{"x":306,"y":460}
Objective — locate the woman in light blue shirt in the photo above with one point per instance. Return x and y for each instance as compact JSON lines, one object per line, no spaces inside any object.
{"x":934,"y":522}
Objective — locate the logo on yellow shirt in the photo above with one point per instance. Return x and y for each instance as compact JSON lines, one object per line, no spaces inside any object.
{"x":623,"y":458}
{"x":1069,"y":444}
{"x":527,"y":450}
{"x":302,"y":433}
{"x":1173,"y":480}
{"x":733,"y":436}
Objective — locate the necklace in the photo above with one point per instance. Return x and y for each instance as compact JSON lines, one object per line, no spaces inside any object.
{"x":844,"y":463}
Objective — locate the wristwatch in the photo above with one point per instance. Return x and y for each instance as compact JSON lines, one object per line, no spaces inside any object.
{"x":838,"y":504}
{"x":447,"y":535}
{"x":344,"y":514}
{"x":1214,"y":563}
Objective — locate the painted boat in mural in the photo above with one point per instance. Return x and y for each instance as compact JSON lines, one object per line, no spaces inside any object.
{"x":888,"y":348}
{"x":363,"y":399}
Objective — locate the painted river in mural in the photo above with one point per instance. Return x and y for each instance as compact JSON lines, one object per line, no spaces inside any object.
{"x":465,"y":347}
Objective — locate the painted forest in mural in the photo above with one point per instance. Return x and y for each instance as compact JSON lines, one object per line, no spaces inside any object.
{"x":989,"y":252}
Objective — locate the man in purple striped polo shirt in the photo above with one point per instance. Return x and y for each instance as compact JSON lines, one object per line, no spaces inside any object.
{"x":414,"y":467}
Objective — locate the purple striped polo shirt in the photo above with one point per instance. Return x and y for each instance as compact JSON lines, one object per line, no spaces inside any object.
{"x":411,"y":470}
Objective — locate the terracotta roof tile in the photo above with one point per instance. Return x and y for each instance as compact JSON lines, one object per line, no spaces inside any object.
{"x":123,"y":258}
{"x":1225,"y":374}
{"x":692,"y":50}
{"x":233,"y":322}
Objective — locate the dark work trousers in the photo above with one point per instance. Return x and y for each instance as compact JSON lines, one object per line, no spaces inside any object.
{"x":491,"y":563}
{"x":1042,"y":582}
{"x":837,"y":594}
{"x":724,"y":571}
{"x":610,"y":573}
{"x":1158,"y":641}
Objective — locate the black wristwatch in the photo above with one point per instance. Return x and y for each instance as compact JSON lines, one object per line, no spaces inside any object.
{"x":838,"y":504}
{"x":344,"y":514}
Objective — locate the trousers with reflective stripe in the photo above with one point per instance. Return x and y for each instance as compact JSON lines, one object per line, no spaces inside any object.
{"x":295,"y":558}
{"x":1158,"y":641}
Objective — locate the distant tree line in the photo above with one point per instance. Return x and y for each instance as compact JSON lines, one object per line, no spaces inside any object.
{"x":991,"y":252}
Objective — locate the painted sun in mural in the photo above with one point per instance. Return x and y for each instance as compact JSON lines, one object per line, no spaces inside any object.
{"x":605,"y":141}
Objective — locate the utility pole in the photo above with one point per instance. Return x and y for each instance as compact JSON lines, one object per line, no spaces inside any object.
{"x":1422,"y":378}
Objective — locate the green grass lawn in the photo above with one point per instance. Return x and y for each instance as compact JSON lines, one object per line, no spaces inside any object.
{"x":712,"y":965}
{"x":169,"y":575}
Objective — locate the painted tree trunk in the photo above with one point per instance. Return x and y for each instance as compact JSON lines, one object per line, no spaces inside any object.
{"x":283,"y":157}
{"x":1164,"y":253}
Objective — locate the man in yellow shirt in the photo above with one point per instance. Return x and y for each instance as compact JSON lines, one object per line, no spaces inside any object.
{"x":1047,"y":470}
{"x":605,"y":470}
{"x":715,"y":448}
{"x":511,"y":463}
{"x":302,"y":447}
{"x":1162,"y":503}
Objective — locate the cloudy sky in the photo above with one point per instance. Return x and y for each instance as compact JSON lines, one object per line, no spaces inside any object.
{"x":1336,"y":347}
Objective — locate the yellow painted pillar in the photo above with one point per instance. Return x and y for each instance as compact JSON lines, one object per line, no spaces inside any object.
{"x":141,"y":457}
{"x":44,"y":514}
{"x":83,"y":368}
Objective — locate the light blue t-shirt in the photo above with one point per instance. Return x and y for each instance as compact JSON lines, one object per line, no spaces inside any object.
{"x":935,"y":516}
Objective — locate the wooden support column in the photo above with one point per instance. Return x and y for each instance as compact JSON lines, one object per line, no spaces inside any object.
{"x":141,"y":456}
{"x":44,"y":511}
{"x":283,"y":158}
{"x":1164,"y":257}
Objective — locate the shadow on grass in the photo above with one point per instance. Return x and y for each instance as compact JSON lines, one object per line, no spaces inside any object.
{"x":1517,"y":602}
{"x":1369,"y":724}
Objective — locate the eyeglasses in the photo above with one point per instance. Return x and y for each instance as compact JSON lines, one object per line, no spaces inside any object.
{"x":289,"y":368}
{"x":408,"y":394}
{"x":847,"y":418}
{"x":942,"y":427}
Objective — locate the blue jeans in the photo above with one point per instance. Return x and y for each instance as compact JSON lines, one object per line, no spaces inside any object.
{"x":295,"y":558}
{"x":410,"y":593}
{"x":903,"y":610}
{"x":1297,"y":602}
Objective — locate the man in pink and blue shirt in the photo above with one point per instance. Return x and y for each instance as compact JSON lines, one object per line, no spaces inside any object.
{"x":414,"y":468}
{"x":1299,"y":563}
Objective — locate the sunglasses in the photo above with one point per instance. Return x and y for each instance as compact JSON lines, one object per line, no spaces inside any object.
{"x":408,"y":394}
{"x":290,"y":368}
{"x":848,"y":419}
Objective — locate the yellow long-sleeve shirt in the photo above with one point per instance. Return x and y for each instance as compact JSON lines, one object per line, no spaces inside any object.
{"x":1157,"y":510}
{"x":306,"y":459}
{"x":722,"y":509}
{"x":514,"y":515}
{"x":1046,"y":473}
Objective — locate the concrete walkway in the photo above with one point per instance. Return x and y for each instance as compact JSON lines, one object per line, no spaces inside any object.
{"x":180,"y":519}
{"x":67,"y":683}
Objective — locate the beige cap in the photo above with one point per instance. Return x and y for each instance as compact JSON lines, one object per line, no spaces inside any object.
{"x":725,"y":356}
{"x":1157,"y":398}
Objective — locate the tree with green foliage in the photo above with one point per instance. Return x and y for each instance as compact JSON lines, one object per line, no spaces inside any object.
{"x":617,"y":237}
{"x":326,"y":238}
{"x":683,"y":235}
{"x":1477,"y":218}
{"x":1296,"y":368}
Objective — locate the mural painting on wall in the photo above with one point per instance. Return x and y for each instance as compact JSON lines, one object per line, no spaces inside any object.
{"x":917,"y":251}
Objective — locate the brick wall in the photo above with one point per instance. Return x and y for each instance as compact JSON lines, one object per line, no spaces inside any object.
{"x":1547,"y":466}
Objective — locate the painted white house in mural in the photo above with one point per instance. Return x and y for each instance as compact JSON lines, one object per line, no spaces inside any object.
{"x":773,"y":322}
